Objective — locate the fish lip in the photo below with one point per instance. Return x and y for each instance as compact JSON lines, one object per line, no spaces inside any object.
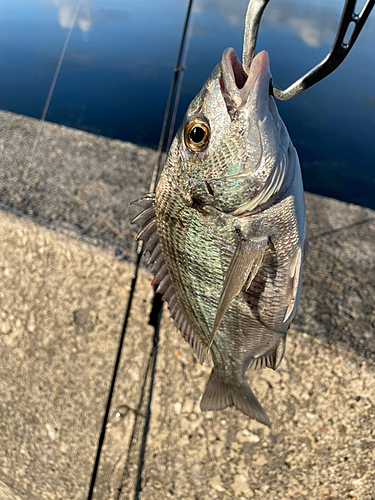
{"x":236,"y":84}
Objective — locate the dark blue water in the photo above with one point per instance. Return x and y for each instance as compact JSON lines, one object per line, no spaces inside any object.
{"x":118,"y":66}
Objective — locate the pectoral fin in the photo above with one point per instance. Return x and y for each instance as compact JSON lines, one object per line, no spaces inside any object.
{"x":244,"y":265}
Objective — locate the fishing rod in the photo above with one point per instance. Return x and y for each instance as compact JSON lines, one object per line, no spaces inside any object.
{"x":177,"y":70}
{"x":157,"y":303}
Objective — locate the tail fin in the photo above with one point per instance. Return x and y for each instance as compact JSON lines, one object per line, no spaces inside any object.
{"x":219,"y":395}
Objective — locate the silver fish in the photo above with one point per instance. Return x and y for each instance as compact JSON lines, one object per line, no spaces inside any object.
{"x":226,"y":230}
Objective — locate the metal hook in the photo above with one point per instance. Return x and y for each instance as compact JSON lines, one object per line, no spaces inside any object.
{"x":335,"y":57}
{"x":254,"y":14}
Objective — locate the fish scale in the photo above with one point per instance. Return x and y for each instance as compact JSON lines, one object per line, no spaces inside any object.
{"x":226,"y":231}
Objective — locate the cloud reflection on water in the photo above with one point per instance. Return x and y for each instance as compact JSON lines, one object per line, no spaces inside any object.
{"x":314,"y":23}
{"x":314,"y":26}
{"x":233,"y":12}
{"x":66,"y":10}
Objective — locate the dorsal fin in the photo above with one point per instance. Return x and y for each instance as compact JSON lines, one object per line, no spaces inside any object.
{"x":148,"y":234}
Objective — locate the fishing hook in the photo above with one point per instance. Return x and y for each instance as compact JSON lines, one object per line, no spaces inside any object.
{"x":337,"y":54}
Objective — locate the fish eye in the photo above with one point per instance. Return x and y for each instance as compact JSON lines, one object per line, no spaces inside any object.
{"x":197,"y":134}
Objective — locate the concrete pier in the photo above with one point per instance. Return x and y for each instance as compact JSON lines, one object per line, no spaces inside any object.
{"x":66,"y":261}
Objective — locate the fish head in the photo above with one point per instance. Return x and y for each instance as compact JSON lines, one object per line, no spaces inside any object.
{"x":228,"y":143}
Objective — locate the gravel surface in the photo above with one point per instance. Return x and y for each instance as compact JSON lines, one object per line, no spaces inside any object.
{"x":74,"y":182}
{"x":63,"y":293}
{"x":321,"y":403}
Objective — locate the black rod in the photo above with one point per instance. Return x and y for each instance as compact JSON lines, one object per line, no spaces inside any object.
{"x":157,"y":308}
{"x":155,"y":317}
{"x":114,"y":376}
{"x":167,"y":113}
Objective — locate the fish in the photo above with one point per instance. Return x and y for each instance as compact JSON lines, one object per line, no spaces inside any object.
{"x":225,"y":231}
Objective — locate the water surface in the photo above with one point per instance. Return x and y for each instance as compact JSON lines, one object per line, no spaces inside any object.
{"x":118,"y":66}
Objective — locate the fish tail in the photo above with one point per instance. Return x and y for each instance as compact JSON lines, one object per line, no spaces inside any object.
{"x":220,"y":394}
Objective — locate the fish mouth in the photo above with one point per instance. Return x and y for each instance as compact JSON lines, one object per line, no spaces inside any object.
{"x":236,"y":84}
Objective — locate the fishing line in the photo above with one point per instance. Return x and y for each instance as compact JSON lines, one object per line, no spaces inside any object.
{"x":157,"y":305}
{"x":52,"y":87}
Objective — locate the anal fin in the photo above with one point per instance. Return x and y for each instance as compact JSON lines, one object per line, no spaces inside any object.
{"x":271,"y":358}
{"x":242,"y":269}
